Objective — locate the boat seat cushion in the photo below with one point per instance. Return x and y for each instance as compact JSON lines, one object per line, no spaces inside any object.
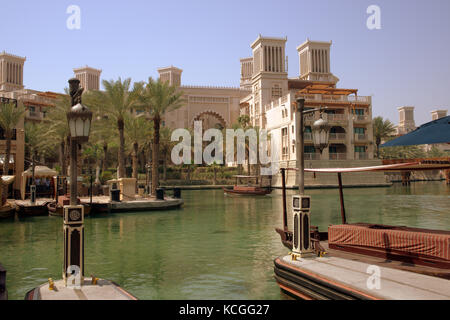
{"x":413,"y":241}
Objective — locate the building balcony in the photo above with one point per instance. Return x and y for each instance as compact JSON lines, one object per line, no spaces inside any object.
{"x":311,"y":156}
{"x":361,"y":137}
{"x":337,"y":118}
{"x":335,"y":98}
{"x":34,"y":115}
{"x":338,"y":156}
{"x":361,"y":118}
{"x":337,"y":136}
{"x":361,"y":156}
{"x":307,"y":136}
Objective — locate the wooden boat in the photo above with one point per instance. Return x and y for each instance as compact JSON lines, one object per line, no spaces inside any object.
{"x":55,"y":209}
{"x":248,"y":190}
{"x":416,"y":260}
{"x":26,"y":209}
{"x":7,"y":211}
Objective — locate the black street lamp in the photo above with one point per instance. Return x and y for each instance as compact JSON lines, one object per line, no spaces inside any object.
{"x":79,"y":119}
{"x":301,"y":204}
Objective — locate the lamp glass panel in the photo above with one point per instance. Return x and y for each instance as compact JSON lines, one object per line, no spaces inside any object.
{"x":79,"y":127}
{"x":72,"y":127}
{"x":87,"y":127}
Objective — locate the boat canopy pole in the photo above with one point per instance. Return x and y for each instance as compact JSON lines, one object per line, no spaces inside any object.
{"x":283,"y":183}
{"x":341,"y":197}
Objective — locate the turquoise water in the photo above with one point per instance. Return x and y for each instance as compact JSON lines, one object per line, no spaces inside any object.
{"x":215,"y":247}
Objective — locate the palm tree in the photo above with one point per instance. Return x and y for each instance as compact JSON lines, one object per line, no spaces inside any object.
{"x":57,"y":130}
{"x":10,"y":116}
{"x":158,"y":97}
{"x":137,"y":130}
{"x":115,"y":102}
{"x":381,"y":130}
{"x":101,"y":133}
{"x":166,"y":145}
{"x":33,"y":142}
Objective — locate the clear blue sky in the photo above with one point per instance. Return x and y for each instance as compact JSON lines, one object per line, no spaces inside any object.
{"x":407,"y":62}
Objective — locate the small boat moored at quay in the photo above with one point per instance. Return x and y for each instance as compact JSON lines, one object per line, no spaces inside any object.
{"x":55,"y":209}
{"x":248,"y":190}
{"x":363,"y":260}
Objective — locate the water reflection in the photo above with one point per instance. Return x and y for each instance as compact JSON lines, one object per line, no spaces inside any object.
{"x":215,"y":247}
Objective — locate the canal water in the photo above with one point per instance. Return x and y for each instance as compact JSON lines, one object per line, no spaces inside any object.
{"x":214,"y":247}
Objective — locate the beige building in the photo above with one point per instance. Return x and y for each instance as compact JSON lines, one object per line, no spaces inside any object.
{"x":216,"y":107}
{"x":406,"y":123}
{"x":35,"y":102}
{"x":89,"y":77}
{"x":271,"y":104}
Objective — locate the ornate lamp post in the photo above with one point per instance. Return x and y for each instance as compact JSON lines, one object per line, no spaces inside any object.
{"x":301,"y":204}
{"x":79,"y":119}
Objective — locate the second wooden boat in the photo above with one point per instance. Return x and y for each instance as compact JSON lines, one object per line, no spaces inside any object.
{"x":248,"y":190}
{"x":55,"y":209}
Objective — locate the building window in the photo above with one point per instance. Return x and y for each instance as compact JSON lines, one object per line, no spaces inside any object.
{"x":309,"y":149}
{"x":359,"y":112}
{"x":284,"y":143}
{"x":359,"y":130}
{"x":360,"y":149}
{"x":276,"y":92}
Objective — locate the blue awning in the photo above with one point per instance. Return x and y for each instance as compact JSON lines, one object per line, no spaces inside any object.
{"x":436,"y":131}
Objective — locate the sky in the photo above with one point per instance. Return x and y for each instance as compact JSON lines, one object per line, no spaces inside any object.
{"x":404,"y":63}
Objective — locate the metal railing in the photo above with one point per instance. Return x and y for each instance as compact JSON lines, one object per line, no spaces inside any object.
{"x":361,"y":156}
{"x":307,"y":136}
{"x":361,"y":117}
{"x":312,"y":156}
{"x":338,"y":156}
{"x":337,"y":136}
{"x":336,"y":117}
{"x":360,"y":137}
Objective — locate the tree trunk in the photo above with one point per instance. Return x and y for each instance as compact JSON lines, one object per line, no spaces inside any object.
{"x":165,"y":170}
{"x":188,"y":176}
{"x":121,"y":155}
{"x":97,"y":173}
{"x":248,"y":162}
{"x":67,"y":156}
{"x":105,"y":156}
{"x":155,"y":154}
{"x":62,"y":159}
{"x":135,"y":164}
{"x":6,"y":164}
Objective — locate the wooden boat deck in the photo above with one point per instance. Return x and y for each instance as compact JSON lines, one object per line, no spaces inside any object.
{"x":103,"y":290}
{"x":342,"y":275}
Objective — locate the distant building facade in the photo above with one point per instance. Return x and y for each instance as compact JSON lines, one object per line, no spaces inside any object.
{"x":272,"y":102}
{"x":215,"y":107}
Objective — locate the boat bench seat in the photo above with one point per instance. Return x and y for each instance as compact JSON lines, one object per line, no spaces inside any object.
{"x":413,"y":242}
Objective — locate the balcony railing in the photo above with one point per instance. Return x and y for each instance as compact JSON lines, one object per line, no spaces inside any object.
{"x":335,"y":98}
{"x":307,"y":136}
{"x":336,"y":117}
{"x":34,"y":114}
{"x":360,"y":137}
{"x":337,"y":136}
{"x":360,"y":117}
{"x":338,"y":156}
{"x":361,"y":156}
{"x":312,"y":156}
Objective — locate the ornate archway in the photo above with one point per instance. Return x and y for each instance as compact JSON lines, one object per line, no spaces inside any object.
{"x":210,"y":119}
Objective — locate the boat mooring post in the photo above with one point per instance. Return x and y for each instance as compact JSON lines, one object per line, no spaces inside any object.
{"x":341,"y":197}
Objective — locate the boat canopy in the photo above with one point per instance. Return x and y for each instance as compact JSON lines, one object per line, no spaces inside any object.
{"x":436,"y":131}
{"x":407,"y":166}
{"x":39,"y":172}
{"x":242,"y":176}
